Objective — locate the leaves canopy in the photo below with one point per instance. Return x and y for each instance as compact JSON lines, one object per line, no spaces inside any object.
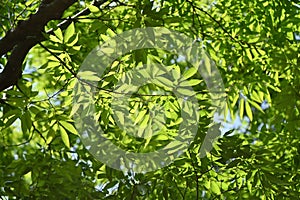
{"x":255,"y":46}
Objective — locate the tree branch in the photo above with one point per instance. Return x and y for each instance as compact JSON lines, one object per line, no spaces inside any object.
{"x":26,"y":35}
{"x":35,"y":24}
{"x":13,"y":69}
{"x":29,"y":33}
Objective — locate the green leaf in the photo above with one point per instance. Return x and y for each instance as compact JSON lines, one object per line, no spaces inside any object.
{"x":178,"y":121}
{"x":70,"y":31}
{"x":26,"y":122}
{"x":256,"y":97}
{"x":207,"y":64}
{"x":69,"y":127}
{"x":59,"y":34}
{"x":162,"y":137}
{"x":189,"y":73}
{"x":145,"y":121}
{"x":215,"y":188}
{"x":64,"y":136}
{"x":54,"y":39}
{"x":107,"y":50}
{"x":50,"y":136}
{"x":28,"y":3}
{"x":93,"y":8}
{"x":88,"y":75}
{"x":120,"y":117}
{"x":105,"y":37}
{"x":185,"y":91}
{"x":75,"y":108}
{"x":140,"y":116}
{"x":11,"y":120}
{"x":255,"y":105}
{"x":242,"y":101}
{"x":110,"y":32}
{"x":176,"y":72}
{"x":72,"y":41}
{"x":165,"y":81}
{"x":248,"y":110}
{"x":191,"y":82}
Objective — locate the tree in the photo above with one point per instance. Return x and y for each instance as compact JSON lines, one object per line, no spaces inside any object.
{"x":254,"y":47}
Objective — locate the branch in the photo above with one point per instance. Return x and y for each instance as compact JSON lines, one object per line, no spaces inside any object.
{"x":13,"y":69}
{"x":26,"y":35}
{"x":35,"y":24}
{"x":29,"y":33}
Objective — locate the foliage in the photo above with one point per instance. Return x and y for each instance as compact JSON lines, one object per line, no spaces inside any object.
{"x":255,"y":45}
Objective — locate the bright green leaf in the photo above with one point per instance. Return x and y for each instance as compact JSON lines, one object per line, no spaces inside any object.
{"x":64,"y":136}
{"x":69,"y":127}
{"x":70,"y":31}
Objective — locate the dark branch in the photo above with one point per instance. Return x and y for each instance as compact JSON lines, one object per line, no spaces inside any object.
{"x":13,"y":69}
{"x":29,"y":33}
{"x":35,"y":24}
{"x":26,"y":35}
